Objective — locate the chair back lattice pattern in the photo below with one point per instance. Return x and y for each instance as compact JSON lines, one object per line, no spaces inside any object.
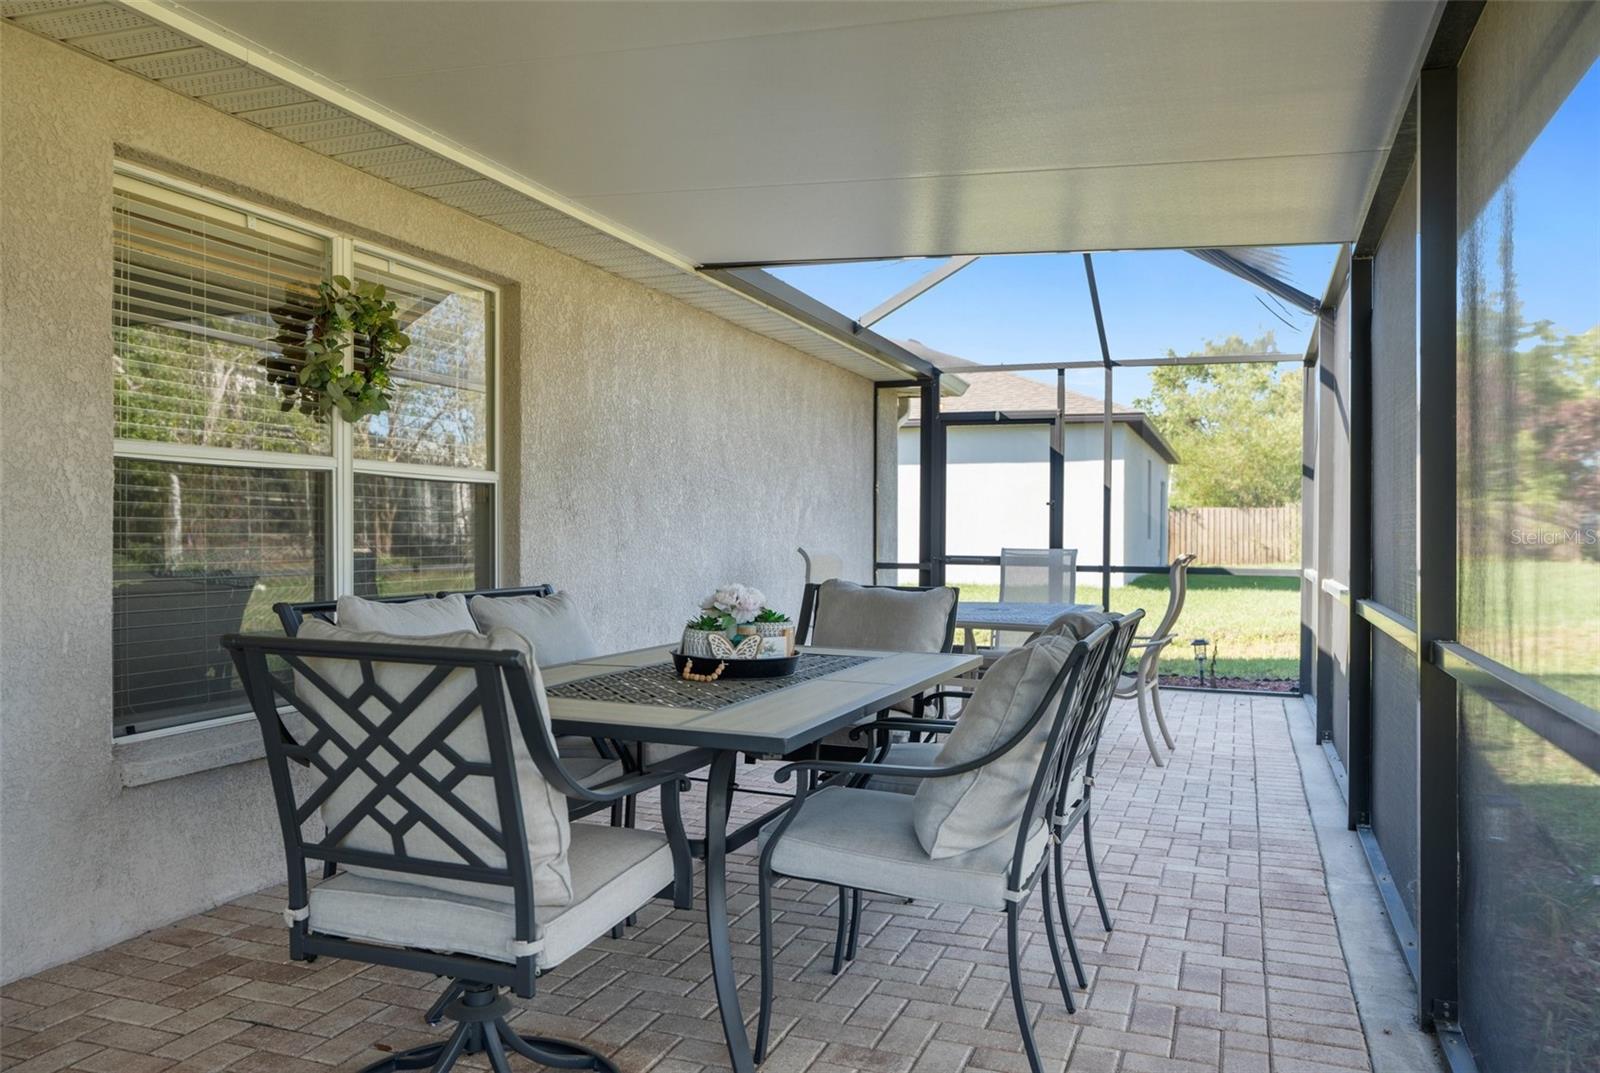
{"x":1039,"y":575}
{"x":1086,"y":738}
{"x":409,"y":760}
{"x":1067,"y":703}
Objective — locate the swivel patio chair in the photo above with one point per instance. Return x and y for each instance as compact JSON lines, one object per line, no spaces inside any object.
{"x":976,"y":833}
{"x":556,"y":631}
{"x":1144,"y":681}
{"x":427,"y":770}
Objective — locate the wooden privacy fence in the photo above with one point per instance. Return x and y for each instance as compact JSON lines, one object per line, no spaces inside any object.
{"x":1236,"y":536}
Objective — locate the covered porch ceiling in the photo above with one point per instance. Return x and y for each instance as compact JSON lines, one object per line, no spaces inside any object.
{"x":769,"y":132}
{"x":670,"y":143}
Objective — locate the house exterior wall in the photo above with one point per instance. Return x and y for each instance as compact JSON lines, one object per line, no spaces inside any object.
{"x":999,"y":488}
{"x":617,"y":402}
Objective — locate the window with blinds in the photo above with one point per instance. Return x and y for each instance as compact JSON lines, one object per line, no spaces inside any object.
{"x":211,"y":311}
{"x":226,"y":502}
{"x":439,"y":412}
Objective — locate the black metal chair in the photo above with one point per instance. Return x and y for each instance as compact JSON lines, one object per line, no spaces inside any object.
{"x":863,"y":840}
{"x":1074,"y":806}
{"x":293,"y":614}
{"x":393,"y":743}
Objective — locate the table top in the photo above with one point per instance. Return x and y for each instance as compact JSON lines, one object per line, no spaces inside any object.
{"x":774,"y":724}
{"x":1012,"y":615}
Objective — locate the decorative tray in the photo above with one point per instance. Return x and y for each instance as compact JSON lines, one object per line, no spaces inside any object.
{"x":770,"y":667}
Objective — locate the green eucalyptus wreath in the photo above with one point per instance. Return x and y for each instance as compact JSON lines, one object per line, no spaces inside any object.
{"x":346,"y":314}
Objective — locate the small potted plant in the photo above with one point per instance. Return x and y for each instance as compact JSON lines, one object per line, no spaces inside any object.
{"x":697,"y":635}
{"x":774,"y":629}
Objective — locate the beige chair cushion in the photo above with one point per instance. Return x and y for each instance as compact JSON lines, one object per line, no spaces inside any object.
{"x":960,"y":813}
{"x":1076,"y":625}
{"x":615,"y":871}
{"x":891,"y":620}
{"x":552,"y":624}
{"x":544,"y":809}
{"x":413,"y":618}
{"x":864,"y":838}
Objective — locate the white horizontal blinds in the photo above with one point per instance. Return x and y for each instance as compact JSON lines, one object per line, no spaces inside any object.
{"x":440,"y":410}
{"x":200,"y":551}
{"x":414,"y":536}
{"x":211,"y":304}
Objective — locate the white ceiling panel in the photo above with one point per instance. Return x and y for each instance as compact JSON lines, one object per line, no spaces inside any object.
{"x":781,"y":131}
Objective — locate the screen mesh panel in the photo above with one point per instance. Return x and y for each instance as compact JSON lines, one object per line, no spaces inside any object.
{"x":1530,"y":897}
{"x":1528,"y":518}
{"x":198,"y":552}
{"x":1394,"y":762}
{"x":1394,"y":407}
{"x":211,"y":307}
{"x":415,"y":536}
{"x":440,"y":403}
{"x":1394,"y":452}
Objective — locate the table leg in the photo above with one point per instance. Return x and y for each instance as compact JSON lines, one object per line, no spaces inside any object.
{"x":719,"y":790}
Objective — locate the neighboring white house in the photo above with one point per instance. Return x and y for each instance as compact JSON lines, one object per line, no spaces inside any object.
{"x":998,"y":454}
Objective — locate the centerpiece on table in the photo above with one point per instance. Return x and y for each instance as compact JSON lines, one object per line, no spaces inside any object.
{"x":736,"y":634}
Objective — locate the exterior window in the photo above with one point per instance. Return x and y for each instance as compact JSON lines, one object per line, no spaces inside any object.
{"x":226,"y":503}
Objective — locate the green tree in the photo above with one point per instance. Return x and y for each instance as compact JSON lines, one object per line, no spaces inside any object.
{"x":1235,"y":427}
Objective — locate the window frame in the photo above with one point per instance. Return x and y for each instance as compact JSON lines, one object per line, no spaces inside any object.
{"x":340,"y":461}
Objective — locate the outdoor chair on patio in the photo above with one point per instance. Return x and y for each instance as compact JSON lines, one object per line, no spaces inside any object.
{"x":885,"y":618}
{"x":548,"y":619}
{"x":1144,"y":681}
{"x":1036,"y":576}
{"x":976,"y":832}
{"x":821,"y":565}
{"x":431,"y":767}
{"x":1074,"y":805}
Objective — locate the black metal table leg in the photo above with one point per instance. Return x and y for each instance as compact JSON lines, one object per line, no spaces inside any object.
{"x":719,"y":790}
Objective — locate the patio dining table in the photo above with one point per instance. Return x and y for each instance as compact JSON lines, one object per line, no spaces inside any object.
{"x":635,"y":696}
{"x":1013,"y":615}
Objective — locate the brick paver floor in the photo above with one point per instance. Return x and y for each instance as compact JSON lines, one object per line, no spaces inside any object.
{"x":1224,"y":957}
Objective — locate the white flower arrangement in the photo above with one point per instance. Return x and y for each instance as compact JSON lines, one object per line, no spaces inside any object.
{"x":736,"y":604}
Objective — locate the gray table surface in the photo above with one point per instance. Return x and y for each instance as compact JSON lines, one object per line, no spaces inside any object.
{"x":1012,"y":615}
{"x":774,"y":724}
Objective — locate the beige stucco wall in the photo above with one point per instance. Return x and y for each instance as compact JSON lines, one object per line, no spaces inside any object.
{"x":651,"y":450}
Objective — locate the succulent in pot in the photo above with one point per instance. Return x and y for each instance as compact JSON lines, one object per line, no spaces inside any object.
{"x":775,"y":630}
{"x":697,"y":635}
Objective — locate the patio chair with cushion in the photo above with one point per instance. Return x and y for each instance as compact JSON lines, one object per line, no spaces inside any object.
{"x":1144,"y":681}
{"x":977,"y":830}
{"x":426,"y":769}
{"x":547,"y":619}
{"x":1073,"y":807}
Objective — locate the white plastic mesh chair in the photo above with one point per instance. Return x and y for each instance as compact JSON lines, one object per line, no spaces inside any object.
{"x":1144,"y":681}
{"x":1036,"y":576}
{"x":821,"y":565}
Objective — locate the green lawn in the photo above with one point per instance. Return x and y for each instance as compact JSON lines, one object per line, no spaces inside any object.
{"x":1252,"y":623}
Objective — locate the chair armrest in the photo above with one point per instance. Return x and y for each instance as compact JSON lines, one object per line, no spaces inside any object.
{"x":1152,"y":642}
{"x":616,"y":789}
{"x":927,"y":726}
{"x":907,"y":771}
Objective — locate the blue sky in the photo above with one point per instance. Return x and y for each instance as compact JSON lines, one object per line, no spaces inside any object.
{"x":1036,"y":308}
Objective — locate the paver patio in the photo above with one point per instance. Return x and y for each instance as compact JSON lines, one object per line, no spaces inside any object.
{"x":1225,"y":956}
